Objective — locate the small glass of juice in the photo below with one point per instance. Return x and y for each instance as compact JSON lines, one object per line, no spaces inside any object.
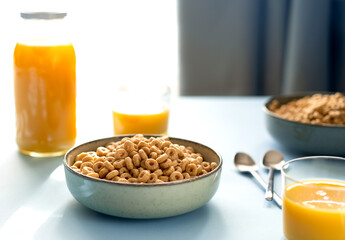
{"x":140,"y":109}
{"x":314,"y":198}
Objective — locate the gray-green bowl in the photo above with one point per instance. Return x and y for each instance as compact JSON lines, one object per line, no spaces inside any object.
{"x":142,"y":200}
{"x":302,"y":137}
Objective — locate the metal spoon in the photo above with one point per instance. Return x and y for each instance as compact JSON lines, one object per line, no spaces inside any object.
{"x":273,"y":160}
{"x":244,"y":163}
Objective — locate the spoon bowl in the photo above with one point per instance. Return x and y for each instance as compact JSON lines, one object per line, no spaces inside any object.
{"x":273,"y":159}
{"x":244,"y":163}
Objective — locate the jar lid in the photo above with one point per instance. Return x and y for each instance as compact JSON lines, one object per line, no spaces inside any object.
{"x":43,"y":15}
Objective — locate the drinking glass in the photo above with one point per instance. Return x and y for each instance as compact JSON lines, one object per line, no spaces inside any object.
{"x":141,"y":109}
{"x":314,"y":198}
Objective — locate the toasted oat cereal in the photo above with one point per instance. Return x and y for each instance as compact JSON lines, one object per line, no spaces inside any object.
{"x":142,"y":160}
{"x":316,"y":109}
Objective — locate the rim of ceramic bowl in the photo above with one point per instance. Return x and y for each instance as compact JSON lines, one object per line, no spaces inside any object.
{"x":143,"y":184}
{"x":295,"y":97}
{"x":286,"y":175}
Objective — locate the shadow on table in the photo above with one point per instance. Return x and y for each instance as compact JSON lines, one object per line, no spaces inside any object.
{"x":78,"y":222}
{"x":43,"y":166}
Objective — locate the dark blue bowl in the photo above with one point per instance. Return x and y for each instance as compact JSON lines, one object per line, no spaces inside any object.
{"x":304,"y":137}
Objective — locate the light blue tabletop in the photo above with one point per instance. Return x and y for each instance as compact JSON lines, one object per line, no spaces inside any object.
{"x":36,"y":204}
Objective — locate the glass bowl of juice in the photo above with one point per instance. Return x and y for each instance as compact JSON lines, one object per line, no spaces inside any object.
{"x":314,"y":198}
{"x":141,"y":109}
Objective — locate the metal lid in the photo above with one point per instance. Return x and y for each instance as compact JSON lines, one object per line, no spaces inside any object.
{"x":43,"y":15}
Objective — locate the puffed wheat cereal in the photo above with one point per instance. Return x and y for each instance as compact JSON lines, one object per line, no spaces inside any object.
{"x":317,"y":109}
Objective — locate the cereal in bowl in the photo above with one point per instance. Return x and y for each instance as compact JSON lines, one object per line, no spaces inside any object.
{"x":316,"y":109}
{"x":142,"y":160}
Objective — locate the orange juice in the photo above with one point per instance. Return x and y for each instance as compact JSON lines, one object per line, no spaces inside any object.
{"x":150,"y":123}
{"x":314,"y":210}
{"x":45,"y":97}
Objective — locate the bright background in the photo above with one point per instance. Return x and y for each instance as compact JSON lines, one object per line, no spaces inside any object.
{"x":116,"y":41}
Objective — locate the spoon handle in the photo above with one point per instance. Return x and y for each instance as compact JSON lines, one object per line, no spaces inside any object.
{"x":276,"y":198}
{"x":269,"y":189}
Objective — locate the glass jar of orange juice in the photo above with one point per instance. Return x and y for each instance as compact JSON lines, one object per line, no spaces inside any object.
{"x":44,"y":86}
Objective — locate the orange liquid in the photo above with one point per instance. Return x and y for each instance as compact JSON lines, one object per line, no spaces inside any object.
{"x":314,"y":213}
{"x":45,"y":97}
{"x":155,"y":123}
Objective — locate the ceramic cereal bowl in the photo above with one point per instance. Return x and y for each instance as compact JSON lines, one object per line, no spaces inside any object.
{"x":142,"y":200}
{"x":301,"y":137}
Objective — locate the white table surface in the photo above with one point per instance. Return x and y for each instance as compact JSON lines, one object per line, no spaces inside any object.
{"x":35,"y":202}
